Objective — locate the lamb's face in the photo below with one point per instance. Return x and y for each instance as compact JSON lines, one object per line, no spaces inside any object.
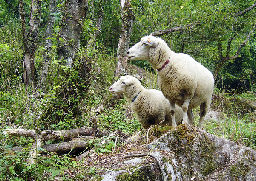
{"x":140,"y":51}
{"x":121,"y":84}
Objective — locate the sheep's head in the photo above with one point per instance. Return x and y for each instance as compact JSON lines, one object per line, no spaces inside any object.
{"x":140,"y":51}
{"x":124,"y":82}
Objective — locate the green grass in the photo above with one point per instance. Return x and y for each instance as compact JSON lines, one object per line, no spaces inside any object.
{"x":233,"y":128}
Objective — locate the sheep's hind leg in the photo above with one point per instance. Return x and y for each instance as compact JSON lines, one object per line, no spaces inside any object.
{"x":203,"y":110}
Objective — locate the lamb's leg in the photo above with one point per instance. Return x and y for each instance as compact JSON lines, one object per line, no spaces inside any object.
{"x":148,"y":133}
{"x":203,"y":110}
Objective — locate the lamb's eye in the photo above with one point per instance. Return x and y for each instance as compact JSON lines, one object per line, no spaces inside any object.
{"x":123,"y":83}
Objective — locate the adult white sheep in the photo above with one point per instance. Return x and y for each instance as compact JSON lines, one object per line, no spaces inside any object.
{"x":149,"y":105}
{"x":182,"y":80}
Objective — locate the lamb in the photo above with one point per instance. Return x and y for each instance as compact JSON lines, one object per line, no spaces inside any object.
{"x":183,"y":81}
{"x":149,"y":105}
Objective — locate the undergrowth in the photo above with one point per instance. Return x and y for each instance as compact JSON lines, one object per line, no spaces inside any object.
{"x":22,"y":107}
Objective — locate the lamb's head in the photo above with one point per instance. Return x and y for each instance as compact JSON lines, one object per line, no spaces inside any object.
{"x":140,"y":51}
{"x":123,"y":84}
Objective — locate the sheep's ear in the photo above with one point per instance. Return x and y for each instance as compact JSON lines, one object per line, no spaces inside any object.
{"x":149,"y":42}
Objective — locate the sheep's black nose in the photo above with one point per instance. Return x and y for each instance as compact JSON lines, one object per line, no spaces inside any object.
{"x":127,"y":52}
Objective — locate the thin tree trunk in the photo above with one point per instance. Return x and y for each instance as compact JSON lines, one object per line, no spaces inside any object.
{"x":30,"y":40}
{"x":123,"y":44}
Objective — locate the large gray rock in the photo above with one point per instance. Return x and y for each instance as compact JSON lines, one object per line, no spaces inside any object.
{"x":185,"y":154}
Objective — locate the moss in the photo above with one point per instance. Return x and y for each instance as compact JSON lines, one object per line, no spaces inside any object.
{"x":144,"y":173}
{"x":209,"y":163}
{"x":183,"y":132}
{"x":209,"y":166}
{"x":239,"y":170}
{"x":183,"y":139}
{"x":160,"y":130}
{"x":193,"y":149}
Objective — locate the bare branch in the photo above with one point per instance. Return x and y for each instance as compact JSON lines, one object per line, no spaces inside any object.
{"x":174,"y":29}
{"x":246,"y":10}
{"x":223,"y":60}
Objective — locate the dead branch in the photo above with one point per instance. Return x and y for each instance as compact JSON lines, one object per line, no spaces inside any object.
{"x":64,"y":135}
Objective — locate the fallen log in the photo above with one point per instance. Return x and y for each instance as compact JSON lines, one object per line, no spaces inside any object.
{"x":56,"y":134}
{"x":20,"y":132}
{"x":69,"y":134}
{"x":78,"y":143}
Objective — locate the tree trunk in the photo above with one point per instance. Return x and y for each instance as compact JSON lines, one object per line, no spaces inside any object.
{"x":48,"y":41}
{"x":71,"y":28}
{"x":30,"y":40}
{"x":123,"y":44}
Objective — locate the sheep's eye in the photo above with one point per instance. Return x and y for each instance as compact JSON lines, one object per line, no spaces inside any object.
{"x":123,"y":83}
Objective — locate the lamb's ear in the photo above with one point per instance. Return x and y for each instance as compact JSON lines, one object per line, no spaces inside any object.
{"x":149,"y":42}
{"x":127,"y":82}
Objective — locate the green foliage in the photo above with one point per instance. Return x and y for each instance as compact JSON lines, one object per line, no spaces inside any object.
{"x":10,"y":53}
{"x":116,"y":119}
{"x":14,"y":165}
{"x":106,"y":17}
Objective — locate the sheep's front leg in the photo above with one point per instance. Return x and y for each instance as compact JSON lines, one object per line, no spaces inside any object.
{"x":190,"y":116}
{"x":174,"y":124}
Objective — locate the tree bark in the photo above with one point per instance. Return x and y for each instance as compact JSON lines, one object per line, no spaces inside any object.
{"x":123,"y":44}
{"x":71,"y":28}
